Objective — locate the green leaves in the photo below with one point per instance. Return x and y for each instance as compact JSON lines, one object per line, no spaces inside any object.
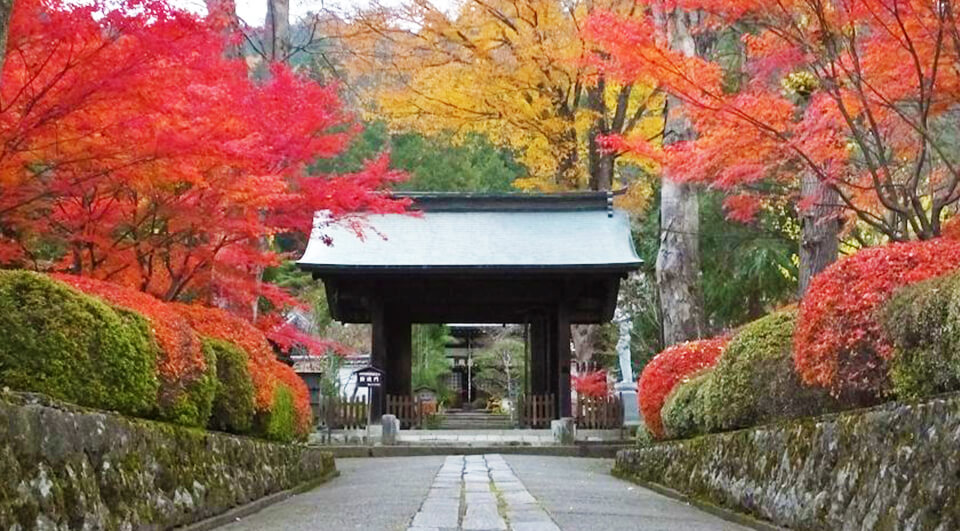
{"x":57,"y":341}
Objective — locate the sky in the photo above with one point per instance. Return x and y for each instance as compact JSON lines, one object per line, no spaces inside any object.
{"x":254,"y":11}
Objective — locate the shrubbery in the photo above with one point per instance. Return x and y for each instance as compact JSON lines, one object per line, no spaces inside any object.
{"x":839,"y":343}
{"x":683,"y":413}
{"x":755,"y":382}
{"x":669,"y":368}
{"x":187,"y":382}
{"x":233,"y":405}
{"x":923,"y":323}
{"x":58,"y":341}
{"x":265,"y":371}
{"x":145,"y":357}
{"x":281,"y":422}
{"x":592,"y":384}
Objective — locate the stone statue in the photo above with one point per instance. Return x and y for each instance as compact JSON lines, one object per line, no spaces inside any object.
{"x":627,"y":386}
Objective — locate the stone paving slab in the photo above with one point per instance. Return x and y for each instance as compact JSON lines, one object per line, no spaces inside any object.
{"x":429,"y":494}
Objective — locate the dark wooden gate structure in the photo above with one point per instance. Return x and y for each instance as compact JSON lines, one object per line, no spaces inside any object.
{"x":549,"y":260}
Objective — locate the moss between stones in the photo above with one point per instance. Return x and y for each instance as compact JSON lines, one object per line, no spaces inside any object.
{"x":895,"y":465}
{"x":74,"y":467}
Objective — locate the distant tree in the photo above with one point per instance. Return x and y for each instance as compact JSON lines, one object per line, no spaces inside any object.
{"x":430,"y":364}
{"x":499,"y":369}
{"x":511,"y":69}
{"x":748,"y":269}
{"x":433,"y":163}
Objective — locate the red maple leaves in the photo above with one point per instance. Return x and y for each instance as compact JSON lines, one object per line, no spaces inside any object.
{"x":669,"y":368}
{"x":838,"y":343}
{"x":134,"y":149}
{"x":856,"y":93}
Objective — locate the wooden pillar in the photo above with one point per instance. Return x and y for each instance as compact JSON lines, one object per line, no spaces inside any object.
{"x":378,"y":355}
{"x":391,"y":352}
{"x":553,"y":357}
{"x":564,"y":407}
{"x":399,"y":354}
{"x":539,"y":339}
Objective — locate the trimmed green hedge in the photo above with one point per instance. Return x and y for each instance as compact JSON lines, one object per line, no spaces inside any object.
{"x":233,"y":404}
{"x":683,"y":412}
{"x":923,"y":323}
{"x":281,"y":423}
{"x":755,"y":381}
{"x":58,"y":341}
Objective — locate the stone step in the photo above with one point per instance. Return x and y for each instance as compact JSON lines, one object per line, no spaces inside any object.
{"x":474,"y":420}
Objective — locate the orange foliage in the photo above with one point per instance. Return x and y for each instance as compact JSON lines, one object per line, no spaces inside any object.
{"x":856,"y":93}
{"x":181,"y":357}
{"x":265,"y":370}
{"x":592,"y":384}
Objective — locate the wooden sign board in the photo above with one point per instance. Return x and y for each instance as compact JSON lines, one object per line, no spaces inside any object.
{"x":369,"y":377}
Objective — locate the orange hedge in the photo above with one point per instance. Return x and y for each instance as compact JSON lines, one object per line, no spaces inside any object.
{"x":669,"y":368}
{"x":181,"y":361}
{"x":265,"y":370}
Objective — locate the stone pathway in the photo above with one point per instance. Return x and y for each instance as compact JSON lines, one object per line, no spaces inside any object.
{"x":479,"y":492}
{"x":490,"y":492}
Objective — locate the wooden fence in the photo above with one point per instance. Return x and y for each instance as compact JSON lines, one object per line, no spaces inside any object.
{"x":601,"y":413}
{"x":343,"y":413}
{"x":536,"y":411}
{"x":407,"y":410}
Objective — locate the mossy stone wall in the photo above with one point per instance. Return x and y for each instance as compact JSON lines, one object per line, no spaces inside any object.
{"x":66,"y":467}
{"x":891,"y":467}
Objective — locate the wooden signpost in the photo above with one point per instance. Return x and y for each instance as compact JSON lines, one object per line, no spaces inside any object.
{"x":368,"y":377}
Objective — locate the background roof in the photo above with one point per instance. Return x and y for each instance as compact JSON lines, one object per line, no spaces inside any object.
{"x":454,"y":231}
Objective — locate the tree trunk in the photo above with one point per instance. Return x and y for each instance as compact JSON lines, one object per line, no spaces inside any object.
{"x":600,"y":164}
{"x":584,"y":337}
{"x":277,"y":30}
{"x":678,"y":259}
{"x":225,"y":17}
{"x":6,"y":10}
{"x":678,"y":263}
{"x":820,"y":227}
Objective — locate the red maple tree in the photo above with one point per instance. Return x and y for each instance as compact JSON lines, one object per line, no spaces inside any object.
{"x":134,"y":149}
{"x":858,"y":93}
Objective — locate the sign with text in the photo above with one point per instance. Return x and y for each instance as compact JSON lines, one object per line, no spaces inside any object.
{"x":369,"y":377}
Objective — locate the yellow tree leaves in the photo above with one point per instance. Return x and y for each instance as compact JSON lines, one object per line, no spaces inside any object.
{"x":515,"y":70}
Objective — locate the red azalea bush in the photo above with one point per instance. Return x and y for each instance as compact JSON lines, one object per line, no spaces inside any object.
{"x":265,"y":370}
{"x":593,"y":384}
{"x":839,"y":343}
{"x":669,"y":368}
{"x":182,"y":368}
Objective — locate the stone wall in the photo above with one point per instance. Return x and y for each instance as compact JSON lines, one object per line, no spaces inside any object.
{"x":65,"y":467}
{"x":892,"y":467}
